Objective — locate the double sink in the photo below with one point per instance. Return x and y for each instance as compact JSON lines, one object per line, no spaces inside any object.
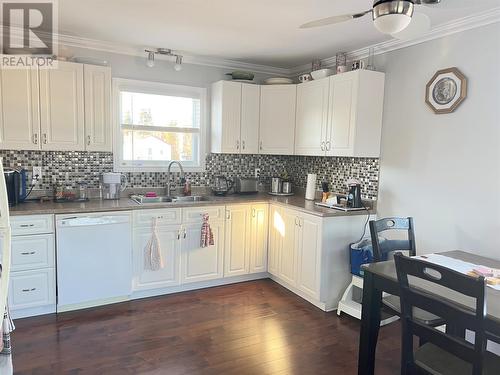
{"x":142,"y":199}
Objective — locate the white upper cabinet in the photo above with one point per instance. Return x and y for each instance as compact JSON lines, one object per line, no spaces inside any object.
{"x":355,"y":114}
{"x":62,"y":107}
{"x":277,"y":119}
{"x":97,"y":108}
{"x":250,"y":113}
{"x":235,"y":117}
{"x":312,"y":118}
{"x":19,"y":113}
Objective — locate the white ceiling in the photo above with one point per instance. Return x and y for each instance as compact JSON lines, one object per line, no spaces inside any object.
{"x":254,"y":31}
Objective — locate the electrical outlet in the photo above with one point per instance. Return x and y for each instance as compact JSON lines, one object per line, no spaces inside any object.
{"x":257,"y":172}
{"x":37,"y":174}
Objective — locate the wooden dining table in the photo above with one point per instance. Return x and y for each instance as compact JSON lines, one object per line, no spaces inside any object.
{"x":381,"y":277}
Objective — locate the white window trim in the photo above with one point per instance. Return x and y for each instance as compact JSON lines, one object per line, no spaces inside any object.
{"x":121,"y":84}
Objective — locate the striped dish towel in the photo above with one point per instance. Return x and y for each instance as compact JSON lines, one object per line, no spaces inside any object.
{"x":6,"y":329}
{"x":207,"y":236}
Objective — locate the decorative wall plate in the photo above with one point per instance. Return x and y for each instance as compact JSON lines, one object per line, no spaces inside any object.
{"x":446,"y":90}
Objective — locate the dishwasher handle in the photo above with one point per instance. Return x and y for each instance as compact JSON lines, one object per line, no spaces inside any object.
{"x":85,"y":221}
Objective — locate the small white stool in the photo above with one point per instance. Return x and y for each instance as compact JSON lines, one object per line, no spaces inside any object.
{"x":353,"y":308}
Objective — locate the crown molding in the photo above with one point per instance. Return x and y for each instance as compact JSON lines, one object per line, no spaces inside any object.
{"x":466,"y":23}
{"x":456,"y":26}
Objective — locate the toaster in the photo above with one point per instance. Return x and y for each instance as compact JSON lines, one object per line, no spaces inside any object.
{"x":246,"y":185}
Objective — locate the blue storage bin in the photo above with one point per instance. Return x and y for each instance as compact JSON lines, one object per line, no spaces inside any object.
{"x":360,"y":253}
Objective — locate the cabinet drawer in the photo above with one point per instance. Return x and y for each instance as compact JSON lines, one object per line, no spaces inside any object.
{"x":144,"y":218}
{"x":195,"y":214}
{"x":31,"y":252}
{"x":32,"y":224}
{"x":32,"y":289}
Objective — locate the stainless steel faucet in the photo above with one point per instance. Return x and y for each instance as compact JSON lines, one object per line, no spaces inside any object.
{"x":168,"y":174}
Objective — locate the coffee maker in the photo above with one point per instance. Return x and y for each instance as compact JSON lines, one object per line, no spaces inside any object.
{"x":112,"y":184}
{"x":354,"y":194}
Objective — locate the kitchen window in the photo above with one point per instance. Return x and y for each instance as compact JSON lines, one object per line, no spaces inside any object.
{"x":157,"y":123}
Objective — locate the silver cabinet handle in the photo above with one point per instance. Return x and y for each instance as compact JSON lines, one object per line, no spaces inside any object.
{"x":35,"y":138}
{"x":260,"y":147}
{"x":179,"y":234}
{"x":28,"y":253}
{"x":27,"y":225}
{"x":29,"y":290}
{"x":328,"y":145}
{"x":44,"y":138}
{"x":322,"y":146}
{"x":243,"y":145}
{"x":228,"y":215}
{"x":89,"y":140}
{"x":300,"y":223}
{"x":253,"y":212}
{"x":237,"y":145}
{"x":296,"y":222}
{"x":185,"y":234}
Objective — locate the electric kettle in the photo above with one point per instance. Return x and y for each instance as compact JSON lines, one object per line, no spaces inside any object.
{"x":221,"y":185}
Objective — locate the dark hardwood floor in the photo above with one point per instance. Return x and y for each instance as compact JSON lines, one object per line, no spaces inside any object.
{"x":249,"y":328}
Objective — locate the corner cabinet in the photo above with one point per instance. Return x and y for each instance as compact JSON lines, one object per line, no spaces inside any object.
{"x":235,"y":117}
{"x":67,"y":108}
{"x":277,"y":119}
{"x":246,"y":239}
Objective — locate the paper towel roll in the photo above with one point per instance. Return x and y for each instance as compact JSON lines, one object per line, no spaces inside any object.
{"x":311,"y":187}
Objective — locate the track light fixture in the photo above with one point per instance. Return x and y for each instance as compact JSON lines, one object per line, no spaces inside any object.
{"x":166,"y":52}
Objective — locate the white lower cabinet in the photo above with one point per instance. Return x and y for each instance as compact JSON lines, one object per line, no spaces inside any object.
{"x":258,"y":237}
{"x":202,"y":263}
{"x":237,"y":240}
{"x":309,"y":255}
{"x":32,"y":287}
{"x":167,"y":276}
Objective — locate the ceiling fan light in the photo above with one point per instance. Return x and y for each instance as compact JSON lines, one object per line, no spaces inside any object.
{"x":392,"y":16}
{"x":392,"y":23}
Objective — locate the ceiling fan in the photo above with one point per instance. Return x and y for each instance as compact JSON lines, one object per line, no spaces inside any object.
{"x":389,"y":16}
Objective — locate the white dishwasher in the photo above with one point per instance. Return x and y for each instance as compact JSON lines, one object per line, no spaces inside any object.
{"x":94,"y":259}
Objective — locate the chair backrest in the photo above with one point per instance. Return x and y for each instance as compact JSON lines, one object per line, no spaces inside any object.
{"x":382,"y":249}
{"x":449,"y":311}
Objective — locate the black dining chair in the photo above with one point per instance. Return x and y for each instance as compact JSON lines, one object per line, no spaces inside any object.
{"x":382,"y":248}
{"x":443,"y":353}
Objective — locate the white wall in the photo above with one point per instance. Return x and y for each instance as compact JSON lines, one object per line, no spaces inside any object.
{"x":444,"y":170}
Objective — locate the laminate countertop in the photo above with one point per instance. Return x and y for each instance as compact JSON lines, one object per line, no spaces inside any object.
{"x":296,"y":202}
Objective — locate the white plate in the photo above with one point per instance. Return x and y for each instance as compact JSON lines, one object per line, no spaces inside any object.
{"x":243,"y":81}
{"x":278,"y":81}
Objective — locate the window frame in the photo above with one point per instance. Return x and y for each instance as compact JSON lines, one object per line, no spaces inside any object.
{"x":157,"y":88}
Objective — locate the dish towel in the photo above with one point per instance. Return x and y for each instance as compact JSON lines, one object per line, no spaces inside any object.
{"x":152,"y":252}
{"x":5,"y":330}
{"x":207,"y":236}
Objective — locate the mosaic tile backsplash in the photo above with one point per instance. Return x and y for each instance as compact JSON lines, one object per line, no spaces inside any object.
{"x":70,"y":167}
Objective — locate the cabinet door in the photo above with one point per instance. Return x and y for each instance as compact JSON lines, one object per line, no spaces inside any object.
{"x":97,"y":108}
{"x":258,"y":238}
{"x":19,"y":111}
{"x":61,"y":107}
{"x":169,"y":275}
{"x":276,"y":234}
{"x":341,"y":122}
{"x":202,"y":263}
{"x":287,"y":270}
{"x":308,"y":255}
{"x":312,"y":117}
{"x":277,"y":119}
{"x":250,"y":114}
{"x":237,"y":237}
{"x":226,"y":117}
